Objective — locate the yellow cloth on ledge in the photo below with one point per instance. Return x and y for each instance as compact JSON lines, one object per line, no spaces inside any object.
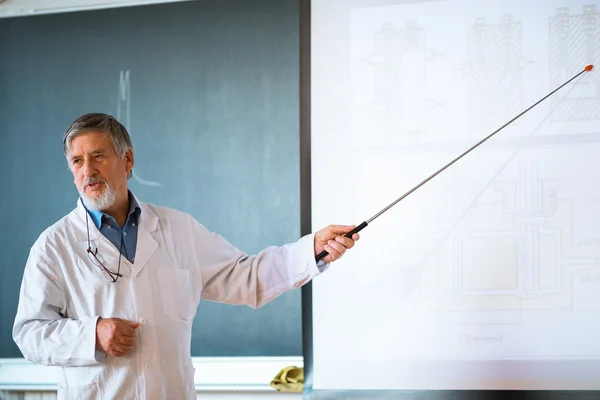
{"x":289,"y":379}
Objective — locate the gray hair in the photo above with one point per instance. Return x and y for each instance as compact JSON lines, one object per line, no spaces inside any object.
{"x":98,"y":122}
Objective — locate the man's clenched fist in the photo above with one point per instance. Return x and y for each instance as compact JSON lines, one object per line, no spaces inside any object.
{"x":115,"y":336}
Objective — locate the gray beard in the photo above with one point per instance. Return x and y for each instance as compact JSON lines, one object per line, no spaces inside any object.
{"x":102,"y":203}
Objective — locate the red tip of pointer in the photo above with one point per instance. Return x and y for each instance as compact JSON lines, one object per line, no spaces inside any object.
{"x":589,"y":68}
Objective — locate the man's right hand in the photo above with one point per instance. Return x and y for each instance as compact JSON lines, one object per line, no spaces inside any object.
{"x":115,"y":336}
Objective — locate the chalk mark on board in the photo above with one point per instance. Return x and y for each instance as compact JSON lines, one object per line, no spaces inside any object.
{"x":124,"y":100}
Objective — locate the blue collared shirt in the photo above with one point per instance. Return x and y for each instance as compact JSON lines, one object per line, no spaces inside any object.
{"x":114,"y":233}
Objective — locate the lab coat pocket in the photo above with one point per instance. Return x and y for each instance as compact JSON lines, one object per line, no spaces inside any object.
{"x":90,"y":391}
{"x":176,"y":292}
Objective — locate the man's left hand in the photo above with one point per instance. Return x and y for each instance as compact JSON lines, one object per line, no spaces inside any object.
{"x":332,"y":240}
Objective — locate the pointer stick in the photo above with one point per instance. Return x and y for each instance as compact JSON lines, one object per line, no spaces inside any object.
{"x":367,"y":222}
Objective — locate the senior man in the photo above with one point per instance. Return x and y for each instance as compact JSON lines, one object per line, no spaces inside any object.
{"x":110,"y":291}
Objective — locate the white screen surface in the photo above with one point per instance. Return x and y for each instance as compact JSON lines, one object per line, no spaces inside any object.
{"x":487,"y":277}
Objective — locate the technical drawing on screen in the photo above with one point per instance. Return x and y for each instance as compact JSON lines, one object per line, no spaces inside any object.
{"x":496,"y":261}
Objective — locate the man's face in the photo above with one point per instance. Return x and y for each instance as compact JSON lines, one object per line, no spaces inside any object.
{"x":100,"y":174}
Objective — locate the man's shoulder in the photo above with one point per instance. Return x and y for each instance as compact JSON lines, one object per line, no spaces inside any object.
{"x":59,"y":231}
{"x":174,"y":220}
{"x":167,"y":213}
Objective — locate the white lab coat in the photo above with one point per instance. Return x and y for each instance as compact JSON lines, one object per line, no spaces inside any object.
{"x":178,"y":262}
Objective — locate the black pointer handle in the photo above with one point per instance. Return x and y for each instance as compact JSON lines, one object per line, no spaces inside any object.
{"x":348,"y":235}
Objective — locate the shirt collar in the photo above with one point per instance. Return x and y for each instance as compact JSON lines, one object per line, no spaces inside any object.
{"x":134,"y":208}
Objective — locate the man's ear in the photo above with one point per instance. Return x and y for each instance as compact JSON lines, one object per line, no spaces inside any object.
{"x":129,"y":162}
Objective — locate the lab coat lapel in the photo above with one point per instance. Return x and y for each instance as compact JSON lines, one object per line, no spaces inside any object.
{"x":146,"y":245}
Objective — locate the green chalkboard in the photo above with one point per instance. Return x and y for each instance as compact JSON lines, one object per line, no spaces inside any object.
{"x":209,"y":91}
